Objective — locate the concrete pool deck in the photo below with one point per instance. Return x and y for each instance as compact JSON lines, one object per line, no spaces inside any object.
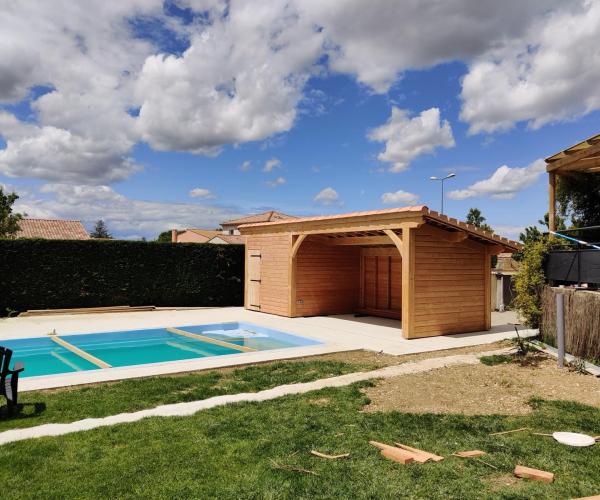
{"x":337,"y":333}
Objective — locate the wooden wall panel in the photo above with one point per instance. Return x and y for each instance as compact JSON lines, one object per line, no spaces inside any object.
{"x":449,"y":285}
{"x":274,"y":281}
{"x":382,"y":282}
{"x":327,"y":279}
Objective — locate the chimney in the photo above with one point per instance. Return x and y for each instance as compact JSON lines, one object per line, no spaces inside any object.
{"x":173,"y":235}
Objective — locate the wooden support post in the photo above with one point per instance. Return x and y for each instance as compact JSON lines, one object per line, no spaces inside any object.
{"x":487,"y":284}
{"x":295,"y":242}
{"x":408,"y":281}
{"x":552,"y":201}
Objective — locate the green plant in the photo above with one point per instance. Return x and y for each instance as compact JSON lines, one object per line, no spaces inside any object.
{"x":578,"y":365}
{"x":9,"y":221}
{"x":530,"y":280}
{"x":42,"y":274}
{"x":496,"y":359}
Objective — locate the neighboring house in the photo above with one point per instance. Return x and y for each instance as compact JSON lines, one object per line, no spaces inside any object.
{"x":228,"y":239}
{"x":231,"y":226}
{"x":193,"y":235}
{"x":52,"y":229}
{"x":228,"y":234}
{"x":503,"y":281}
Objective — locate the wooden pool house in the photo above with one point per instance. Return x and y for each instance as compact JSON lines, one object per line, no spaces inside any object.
{"x":430,"y":271}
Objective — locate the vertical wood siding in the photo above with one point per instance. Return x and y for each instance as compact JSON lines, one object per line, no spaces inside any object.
{"x":274,"y":284}
{"x":327,"y":279}
{"x":450,"y":286}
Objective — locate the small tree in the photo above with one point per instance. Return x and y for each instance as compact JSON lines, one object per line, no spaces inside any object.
{"x":100,"y":230}
{"x":164,"y":237}
{"x":530,"y":280}
{"x":9,"y":221}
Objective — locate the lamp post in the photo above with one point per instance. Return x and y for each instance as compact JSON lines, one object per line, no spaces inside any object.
{"x":442,"y":179}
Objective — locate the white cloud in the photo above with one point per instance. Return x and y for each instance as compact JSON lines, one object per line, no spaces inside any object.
{"x":509,"y":230}
{"x":53,"y":153}
{"x":276,"y":182}
{"x":126,"y":217}
{"x":327,"y":196}
{"x":406,"y":138}
{"x":240,"y":80}
{"x":399,"y":198}
{"x":205,"y":194}
{"x":504,"y":183}
{"x":378,"y":41}
{"x":271,"y":164}
{"x":551,"y":73}
{"x":247,"y":165}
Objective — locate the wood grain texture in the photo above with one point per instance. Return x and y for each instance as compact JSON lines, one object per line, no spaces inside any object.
{"x":274,"y":279}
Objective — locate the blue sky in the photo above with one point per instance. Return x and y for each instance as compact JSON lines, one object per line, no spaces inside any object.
{"x":123,"y":123}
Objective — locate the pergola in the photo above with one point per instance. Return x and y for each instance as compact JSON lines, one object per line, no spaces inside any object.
{"x":582,"y":157}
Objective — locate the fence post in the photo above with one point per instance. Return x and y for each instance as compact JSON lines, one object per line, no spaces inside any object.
{"x":560,"y":328}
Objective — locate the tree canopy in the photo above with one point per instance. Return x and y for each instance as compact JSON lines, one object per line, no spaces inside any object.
{"x":100,"y":230}
{"x":475,"y":218}
{"x":578,"y":196}
{"x":9,"y":220}
{"x":164,"y":237}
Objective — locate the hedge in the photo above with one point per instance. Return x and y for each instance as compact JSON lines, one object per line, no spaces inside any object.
{"x":49,"y":274}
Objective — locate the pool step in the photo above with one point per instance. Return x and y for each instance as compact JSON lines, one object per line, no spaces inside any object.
{"x":202,"y":338}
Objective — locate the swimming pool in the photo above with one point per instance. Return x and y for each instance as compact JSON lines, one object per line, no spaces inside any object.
{"x":55,"y":354}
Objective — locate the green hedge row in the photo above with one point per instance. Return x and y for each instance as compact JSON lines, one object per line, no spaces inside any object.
{"x":41,"y":274}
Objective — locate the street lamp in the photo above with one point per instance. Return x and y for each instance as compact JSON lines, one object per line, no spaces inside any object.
{"x":442,"y":179}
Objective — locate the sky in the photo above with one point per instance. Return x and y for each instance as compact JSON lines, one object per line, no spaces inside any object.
{"x":154,"y":115}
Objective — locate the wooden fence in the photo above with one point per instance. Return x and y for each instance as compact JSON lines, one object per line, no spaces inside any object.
{"x":582,"y":321}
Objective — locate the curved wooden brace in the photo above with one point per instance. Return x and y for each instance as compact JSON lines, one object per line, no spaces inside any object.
{"x":297,"y":244}
{"x":396,"y":240}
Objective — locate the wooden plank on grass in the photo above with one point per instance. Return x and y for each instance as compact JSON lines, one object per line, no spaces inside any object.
{"x":398,"y":455}
{"x":329,"y":457}
{"x":535,"y":474}
{"x":469,"y":454}
{"x":209,"y":340}
{"x":430,"y":456}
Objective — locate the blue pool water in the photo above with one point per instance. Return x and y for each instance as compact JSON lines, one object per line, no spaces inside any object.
{"x":43,"y":356}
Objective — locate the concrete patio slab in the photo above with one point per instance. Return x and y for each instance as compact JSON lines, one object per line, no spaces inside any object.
{"x":337,"y":333}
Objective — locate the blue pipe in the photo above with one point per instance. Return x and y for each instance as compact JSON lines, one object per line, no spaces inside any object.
{"x":581,"y":242}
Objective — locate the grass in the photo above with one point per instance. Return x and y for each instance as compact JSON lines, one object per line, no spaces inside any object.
{"x":227,"y":452}
{"x":67,"y":405}
{"x":496,"y":359}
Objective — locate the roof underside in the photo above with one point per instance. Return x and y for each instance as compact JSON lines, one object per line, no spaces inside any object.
{"x":582,"y":157}
{"x":371,"y":225}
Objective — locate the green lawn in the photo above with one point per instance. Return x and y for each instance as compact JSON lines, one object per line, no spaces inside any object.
{"x":226,"y":452}
{"x":101,"y":400}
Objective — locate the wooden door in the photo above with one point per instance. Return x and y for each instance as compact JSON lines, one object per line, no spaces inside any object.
{"x":381,"y":282}
{"x":253,"y":285}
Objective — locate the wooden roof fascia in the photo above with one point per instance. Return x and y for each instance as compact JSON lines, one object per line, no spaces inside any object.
{"x":557,"y":164}
{"x":349,"y":224}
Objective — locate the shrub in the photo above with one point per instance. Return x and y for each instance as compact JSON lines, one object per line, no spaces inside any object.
{"x":530,"y":281}
{"x":41,"y":274}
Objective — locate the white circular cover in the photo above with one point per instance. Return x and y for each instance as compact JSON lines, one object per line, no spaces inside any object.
{"x":574,"y":438}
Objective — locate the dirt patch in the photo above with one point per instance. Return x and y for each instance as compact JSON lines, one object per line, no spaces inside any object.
{"x":483,"y":390}
{"x":500,"y":481}
{"x":320,"y":401}
{"x":380,"y":360}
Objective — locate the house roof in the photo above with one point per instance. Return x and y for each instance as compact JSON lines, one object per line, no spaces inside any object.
{"x":374,"y":218}
{"x":581,"y":157}
{"x":233,"y":239}
{"x":52,"y":229}
{"x":207,"y":233}
{"x":270,"y":216}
